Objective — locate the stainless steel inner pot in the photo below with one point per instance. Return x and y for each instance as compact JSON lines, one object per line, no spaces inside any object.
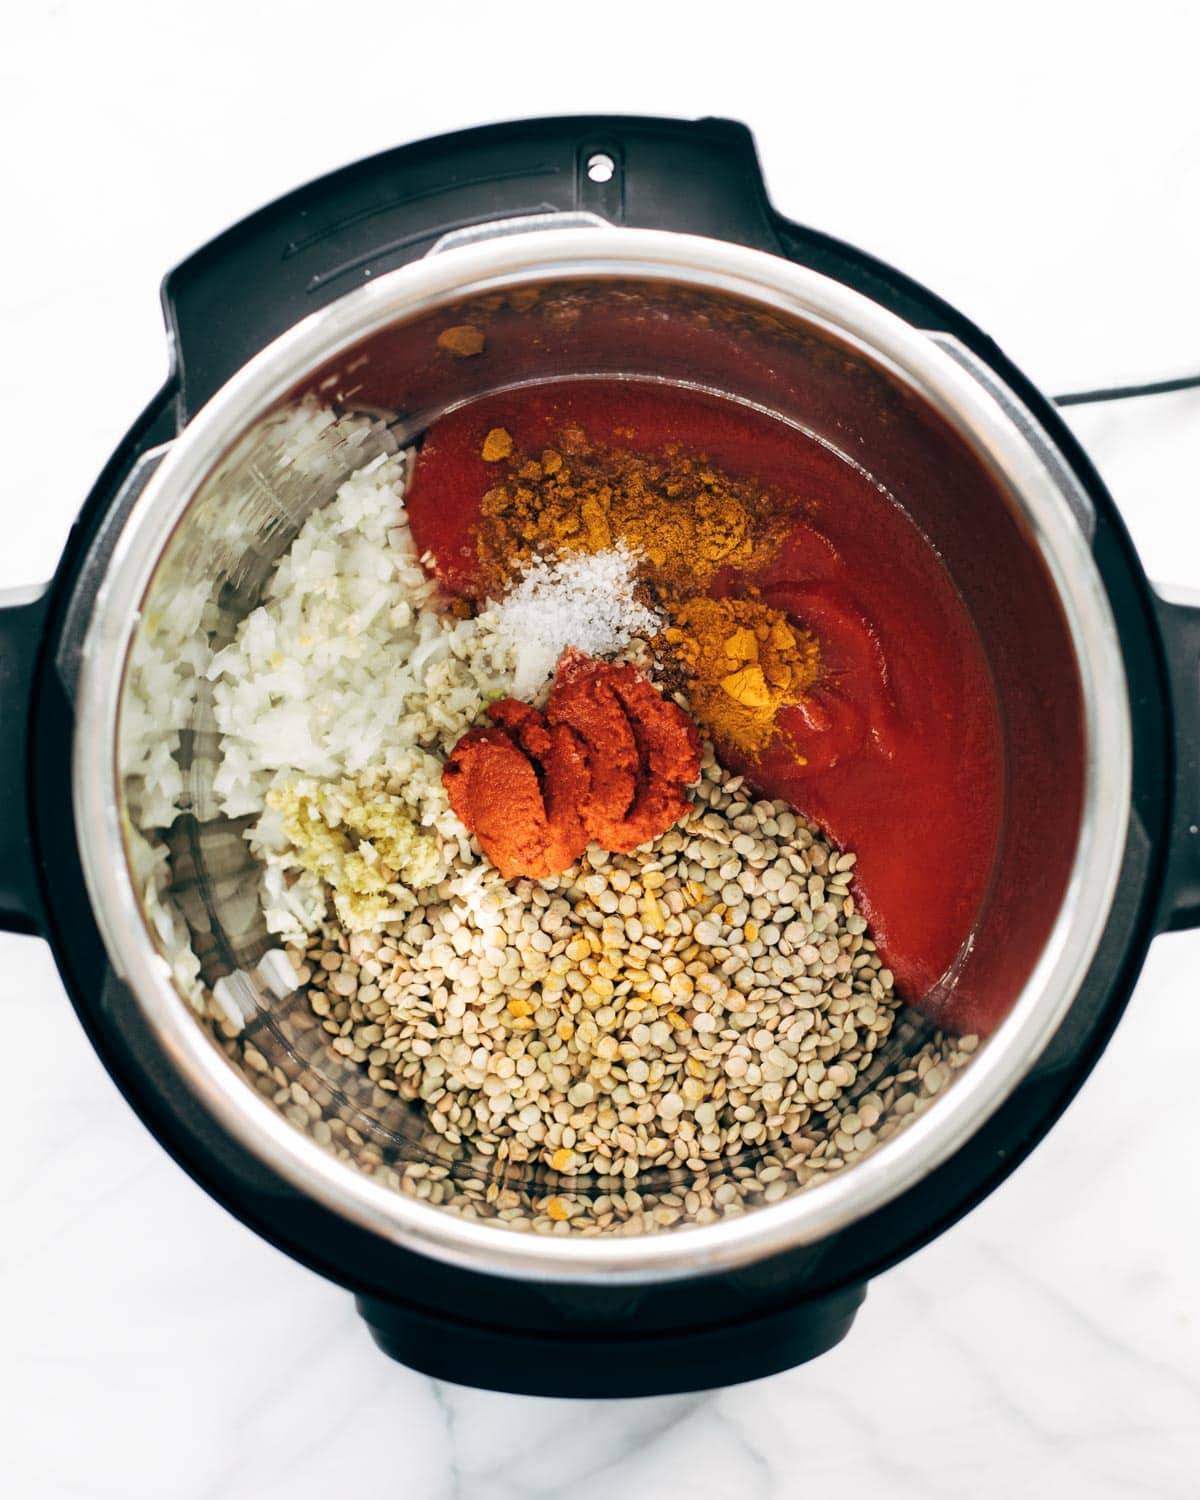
{"x":916,"y":411}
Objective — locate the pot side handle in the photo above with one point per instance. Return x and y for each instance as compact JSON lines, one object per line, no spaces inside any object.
{"x":1179,"y":624}
{"x":22,"y":616}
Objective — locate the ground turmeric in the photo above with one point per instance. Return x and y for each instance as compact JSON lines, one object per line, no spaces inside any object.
{"x":743,"y":661}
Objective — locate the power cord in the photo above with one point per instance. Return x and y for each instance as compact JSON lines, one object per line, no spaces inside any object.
{"x":1122,"y":392}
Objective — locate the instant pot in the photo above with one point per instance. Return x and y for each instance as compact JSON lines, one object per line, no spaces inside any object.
{"x":640,"y":248}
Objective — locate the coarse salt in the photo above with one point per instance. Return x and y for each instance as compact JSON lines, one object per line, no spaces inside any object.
{"x":585,"y":600}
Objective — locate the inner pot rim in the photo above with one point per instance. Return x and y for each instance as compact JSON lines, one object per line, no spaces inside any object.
{"x":908,"y":356}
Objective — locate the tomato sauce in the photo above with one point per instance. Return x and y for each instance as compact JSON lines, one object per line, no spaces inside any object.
{"x":896,"y":752}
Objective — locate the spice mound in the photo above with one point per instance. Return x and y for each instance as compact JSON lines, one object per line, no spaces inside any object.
{"x":684,"y":524}
{"x":585,"y":600}
{"x":682,"y":517}
{"x":607,"y":762}
{"x":745,"y":662}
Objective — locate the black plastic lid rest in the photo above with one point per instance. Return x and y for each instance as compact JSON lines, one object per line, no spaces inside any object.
{"x":296,"y":255}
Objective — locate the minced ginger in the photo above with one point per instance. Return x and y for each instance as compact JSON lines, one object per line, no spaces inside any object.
{"x":361,"y":841}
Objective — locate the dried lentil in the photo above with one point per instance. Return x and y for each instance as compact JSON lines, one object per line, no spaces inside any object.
{"x":504,"y":1024}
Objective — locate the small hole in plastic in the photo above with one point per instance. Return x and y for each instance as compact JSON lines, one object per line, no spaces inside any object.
{"x":600,"y":167}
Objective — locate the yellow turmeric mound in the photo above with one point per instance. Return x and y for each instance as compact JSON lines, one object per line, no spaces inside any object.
{"x":744,"y":661}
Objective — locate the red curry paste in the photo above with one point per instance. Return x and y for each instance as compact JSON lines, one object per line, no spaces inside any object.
{"x":608,"y":762}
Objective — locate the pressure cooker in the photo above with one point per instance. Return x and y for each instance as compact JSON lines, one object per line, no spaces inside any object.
{"x":664,"y":228}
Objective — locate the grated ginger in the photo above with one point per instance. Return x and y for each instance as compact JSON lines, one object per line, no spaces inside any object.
{"x":361,"y":841}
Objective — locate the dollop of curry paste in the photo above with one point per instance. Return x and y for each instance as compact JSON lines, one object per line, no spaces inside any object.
{"x":608,"y":761}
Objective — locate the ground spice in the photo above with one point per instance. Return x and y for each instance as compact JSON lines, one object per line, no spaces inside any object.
{"x":684,"y":521}
{"x":463,"y":340}
{"x":744,"y":661}
{"x":681,"y":517}
{"x":497,"y":445}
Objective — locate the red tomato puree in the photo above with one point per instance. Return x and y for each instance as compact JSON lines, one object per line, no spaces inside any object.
{"x":896,"y":751}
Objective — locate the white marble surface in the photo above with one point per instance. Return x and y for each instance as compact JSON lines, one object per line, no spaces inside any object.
{"x":1042,"y":170}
